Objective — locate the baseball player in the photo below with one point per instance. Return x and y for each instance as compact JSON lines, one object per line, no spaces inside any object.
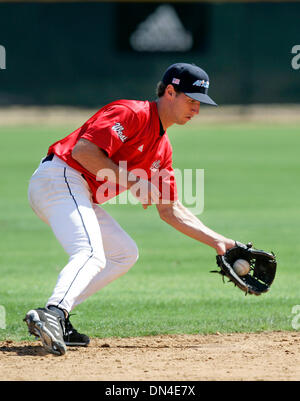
{"x":124,"y":146}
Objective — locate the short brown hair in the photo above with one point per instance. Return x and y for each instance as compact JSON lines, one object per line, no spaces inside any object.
{"x":161,"y":88}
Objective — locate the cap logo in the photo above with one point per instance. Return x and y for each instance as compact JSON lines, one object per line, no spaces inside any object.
{"x":201,"y":83}
{"x":176,"y":81}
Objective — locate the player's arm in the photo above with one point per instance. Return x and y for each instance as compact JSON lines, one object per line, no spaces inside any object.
{"x":96,"y":161}
{"x":179,"y":217}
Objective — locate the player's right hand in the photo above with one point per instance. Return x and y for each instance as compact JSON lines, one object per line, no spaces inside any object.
{"x":145,"y":192}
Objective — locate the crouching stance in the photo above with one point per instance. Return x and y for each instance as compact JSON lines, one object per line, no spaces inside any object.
{"x":124,"y":146}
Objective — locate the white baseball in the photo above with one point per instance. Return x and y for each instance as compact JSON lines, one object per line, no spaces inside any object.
{"x":241,"y":267}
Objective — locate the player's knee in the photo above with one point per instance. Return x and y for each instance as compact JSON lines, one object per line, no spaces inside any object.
{"x":92,"y":257}
{"x":99,"y":260}
{"x":132,"y":253}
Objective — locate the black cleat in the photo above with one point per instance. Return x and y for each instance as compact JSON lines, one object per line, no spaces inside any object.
{"x":73,"y":338}
{"x":49,"y":327}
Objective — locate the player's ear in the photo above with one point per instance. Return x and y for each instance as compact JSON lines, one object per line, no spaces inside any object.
{"x":170,"y":91}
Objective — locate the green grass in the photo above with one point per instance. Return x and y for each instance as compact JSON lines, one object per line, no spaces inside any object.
{"x":252,"y":192}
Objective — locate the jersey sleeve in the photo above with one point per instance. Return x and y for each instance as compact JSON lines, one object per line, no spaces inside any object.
{"x":111,"y":128}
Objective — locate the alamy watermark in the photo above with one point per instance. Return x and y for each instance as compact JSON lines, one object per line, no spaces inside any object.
{"x":296,"y":318}
{"x":2,"y":317}
{"x":186,"y":185}
{"x":2,"y":58}
{"x":295,"y":62}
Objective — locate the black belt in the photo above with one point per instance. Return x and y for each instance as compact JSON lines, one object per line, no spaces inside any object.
{"x":48,"y":158}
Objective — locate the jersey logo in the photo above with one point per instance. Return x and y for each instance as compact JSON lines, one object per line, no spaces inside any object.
{"x":141,"y":148}
{"x":155,"y":166}
{"x":203,"y":83}
{"x":118,"y":128}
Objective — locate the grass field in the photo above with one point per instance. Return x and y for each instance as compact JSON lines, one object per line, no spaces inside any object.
{"x":252,"y":193}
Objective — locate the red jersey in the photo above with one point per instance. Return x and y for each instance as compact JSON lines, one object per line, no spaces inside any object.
{"x":131,"y":133}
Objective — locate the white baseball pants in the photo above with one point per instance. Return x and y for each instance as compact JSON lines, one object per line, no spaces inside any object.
{"x":99,"y":250}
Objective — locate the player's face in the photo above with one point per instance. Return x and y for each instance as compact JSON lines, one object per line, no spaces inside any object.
{"x":184,"y":108}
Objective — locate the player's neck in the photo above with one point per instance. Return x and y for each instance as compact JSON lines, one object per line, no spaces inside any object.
{"x":163,"y":113}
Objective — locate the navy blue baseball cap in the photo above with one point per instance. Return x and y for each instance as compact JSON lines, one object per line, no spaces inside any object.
{"x":189,"y":79}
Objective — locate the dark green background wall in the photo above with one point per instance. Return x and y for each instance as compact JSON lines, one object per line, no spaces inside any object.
{"x":76,"y":54}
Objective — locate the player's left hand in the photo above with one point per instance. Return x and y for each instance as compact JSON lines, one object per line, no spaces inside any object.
{"x":262,"y":268}
{"x":223,"y":245}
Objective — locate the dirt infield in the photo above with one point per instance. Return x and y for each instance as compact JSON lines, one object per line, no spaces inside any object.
{"x":254,"y":356}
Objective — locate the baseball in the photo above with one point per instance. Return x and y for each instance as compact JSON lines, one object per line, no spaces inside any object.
{"x":241,"y":267}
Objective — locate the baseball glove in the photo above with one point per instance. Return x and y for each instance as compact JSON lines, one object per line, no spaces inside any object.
{"x":262,"y":268}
